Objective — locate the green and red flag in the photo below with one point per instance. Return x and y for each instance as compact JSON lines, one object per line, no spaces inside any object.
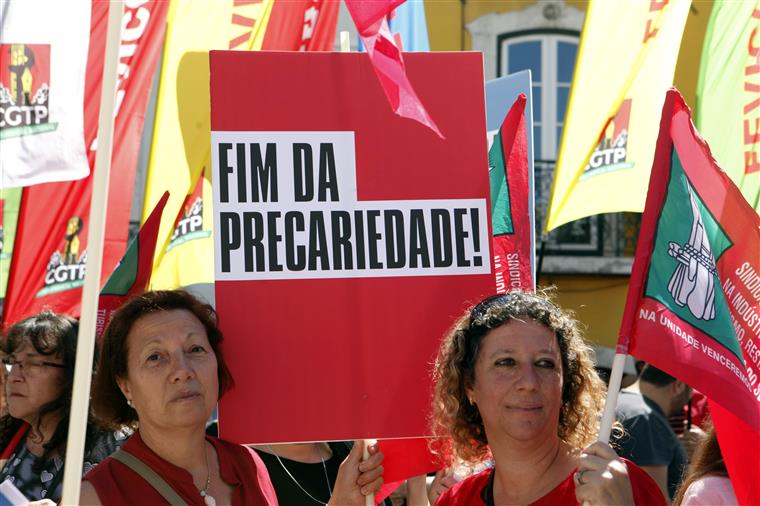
{"x":508,"y":170}
{"x":132,"y":275}
{"x":693,"y":306}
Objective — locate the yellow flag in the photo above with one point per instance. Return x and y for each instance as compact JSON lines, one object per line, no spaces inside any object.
{"x":626,"y":61}
{"x":182,"y":137}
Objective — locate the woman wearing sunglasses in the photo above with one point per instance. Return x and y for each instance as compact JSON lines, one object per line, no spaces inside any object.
{"x":514,"y":382}
{"x":38,"y":366}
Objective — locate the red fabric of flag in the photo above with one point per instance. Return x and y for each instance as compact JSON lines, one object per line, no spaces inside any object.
{"x":51,"y":240}
{"x":693,"y":307}
{"x":132,"y":275}
{"x":512,"y":249}
{"x":403,"y":459}
{"x":740,"y":447}
{"x":302,"y":25}
{"x":370,"y":18}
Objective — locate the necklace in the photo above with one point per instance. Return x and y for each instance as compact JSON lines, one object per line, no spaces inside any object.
{"x":208,"y":499}
{"x":324,"y":468}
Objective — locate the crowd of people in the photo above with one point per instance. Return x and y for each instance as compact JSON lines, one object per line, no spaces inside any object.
{"x":516,"y":410}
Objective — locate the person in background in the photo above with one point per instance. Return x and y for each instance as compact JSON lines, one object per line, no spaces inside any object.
{"x":706,"y":482}
{"x":514,"y":381}
{"x":446,"y":478}
{"x":688,"y":423}
{"x":649,"y":441}
{"x":38,"y":360}
{"x":412,"y":492}
{"x":603,"y":358}
{"x":304,"y":474}
{"x":161,"y":373}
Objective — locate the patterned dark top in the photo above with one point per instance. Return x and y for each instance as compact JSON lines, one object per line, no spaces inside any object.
{"x":48,"y":483}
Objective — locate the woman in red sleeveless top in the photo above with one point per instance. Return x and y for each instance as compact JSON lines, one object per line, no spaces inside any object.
{"x":514,"y":382}
{"x":161,"y":372}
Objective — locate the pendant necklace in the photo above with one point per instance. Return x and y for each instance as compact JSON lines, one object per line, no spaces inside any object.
{"x":324,"y":468}
{"x":208,"y":499}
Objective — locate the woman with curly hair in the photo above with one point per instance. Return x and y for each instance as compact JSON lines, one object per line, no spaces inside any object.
{"x":514,"y":381}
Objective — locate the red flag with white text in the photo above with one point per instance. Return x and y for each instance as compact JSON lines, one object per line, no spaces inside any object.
{"x":51,"y":242}
{"x":508,"y":161}
{"x":693,"y":306}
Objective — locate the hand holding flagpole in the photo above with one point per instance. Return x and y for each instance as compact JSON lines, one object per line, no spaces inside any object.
{"x":369,"y":500}
{"x":608,"y":415}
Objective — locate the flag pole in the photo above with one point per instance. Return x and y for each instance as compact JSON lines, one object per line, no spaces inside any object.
{"x":345,"y":42}
{"x":369,"y":500}
{"x":608,"y":416}
{"x":72,"y":475}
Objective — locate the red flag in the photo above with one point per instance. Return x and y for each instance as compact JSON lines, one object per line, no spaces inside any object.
{"x":302,"y":25}
{"x":693,"y":306}
{"x":508,"y":160}
{"x":370,"y":18}
{"x":51,"y":243}
{"x":132,"y":275}
{"x":740,"y":447}
{"x":403,"y":459}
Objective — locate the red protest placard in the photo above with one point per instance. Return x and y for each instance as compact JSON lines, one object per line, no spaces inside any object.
{"x":347,"y":239}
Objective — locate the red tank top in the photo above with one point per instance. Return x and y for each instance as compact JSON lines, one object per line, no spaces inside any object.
{"x":239,"y":467}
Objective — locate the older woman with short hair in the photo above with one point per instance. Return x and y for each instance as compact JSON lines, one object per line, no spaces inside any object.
{"x":514,"y":381}
{"x":162,"y":372}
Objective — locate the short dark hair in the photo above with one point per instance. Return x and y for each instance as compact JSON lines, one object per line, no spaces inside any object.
{"x":108,"y":402}
{"x":52,"y":335}
{"x":655,"y":376}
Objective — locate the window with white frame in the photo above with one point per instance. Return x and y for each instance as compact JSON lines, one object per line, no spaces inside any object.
{"x":550,"y":56}
{"x":543,"y":36}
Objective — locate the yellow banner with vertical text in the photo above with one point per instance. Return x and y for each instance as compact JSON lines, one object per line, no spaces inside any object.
{"x":622,"y":73}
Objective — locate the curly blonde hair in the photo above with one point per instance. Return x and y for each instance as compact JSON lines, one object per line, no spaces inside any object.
{"x":583,"y":392}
